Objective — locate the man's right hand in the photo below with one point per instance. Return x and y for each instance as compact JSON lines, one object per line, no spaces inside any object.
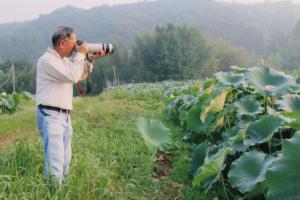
{"x":82,"y":48}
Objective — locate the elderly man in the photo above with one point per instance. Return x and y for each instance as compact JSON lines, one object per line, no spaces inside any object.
{"x":56,"y":74}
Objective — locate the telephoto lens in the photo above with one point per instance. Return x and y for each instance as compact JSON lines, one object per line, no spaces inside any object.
{"x":96,"y":47}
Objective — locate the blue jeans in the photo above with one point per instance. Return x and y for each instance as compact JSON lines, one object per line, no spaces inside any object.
{"x":56,"y":131}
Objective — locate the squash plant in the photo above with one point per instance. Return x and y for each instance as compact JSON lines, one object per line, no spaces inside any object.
{"x":243,"y":124}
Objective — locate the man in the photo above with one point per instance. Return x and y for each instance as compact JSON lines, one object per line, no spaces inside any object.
{"x":55,"y":77}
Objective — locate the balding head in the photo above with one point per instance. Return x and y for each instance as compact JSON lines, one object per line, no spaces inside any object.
{"x":61,"y":33}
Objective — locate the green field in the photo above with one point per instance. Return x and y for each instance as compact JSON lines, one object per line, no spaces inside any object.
{"x":110,"y":159}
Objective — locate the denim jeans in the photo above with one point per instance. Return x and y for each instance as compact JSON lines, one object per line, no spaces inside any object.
{"x":56,"y":131}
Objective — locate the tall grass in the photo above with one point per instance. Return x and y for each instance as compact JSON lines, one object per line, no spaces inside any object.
{"x":110,"y":160}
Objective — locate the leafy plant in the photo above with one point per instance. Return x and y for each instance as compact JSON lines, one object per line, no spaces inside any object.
{"x":155,"y":134}
{"x":283,"y":177}
{"x":10,"y":103}
{"x":249,"y":170}
{"x":237,"y":122}
{"x":268,"y":81}
{"x":248,"y":106}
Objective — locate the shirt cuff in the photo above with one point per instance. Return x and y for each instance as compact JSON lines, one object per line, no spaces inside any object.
{"x":79,"y":56}
{"x":90,"y":65}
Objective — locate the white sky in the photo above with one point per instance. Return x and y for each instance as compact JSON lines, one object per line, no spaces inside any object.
{"x":22,"y":10}
{"x":258,"y":1}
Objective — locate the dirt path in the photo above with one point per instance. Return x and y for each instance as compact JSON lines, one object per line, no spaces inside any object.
{"x":6,"y":140}
{"x":9,"y":139}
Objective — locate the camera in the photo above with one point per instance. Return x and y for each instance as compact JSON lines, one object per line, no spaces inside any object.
{"x":96,"y":47}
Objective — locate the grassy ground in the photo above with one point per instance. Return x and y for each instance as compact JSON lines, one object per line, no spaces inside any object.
{"x":110,"y":160}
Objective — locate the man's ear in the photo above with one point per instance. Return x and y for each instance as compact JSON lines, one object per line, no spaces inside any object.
{"x":62,"y":44}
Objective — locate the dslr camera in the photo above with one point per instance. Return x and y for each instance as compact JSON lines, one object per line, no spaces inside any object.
{"x":96,"y":47}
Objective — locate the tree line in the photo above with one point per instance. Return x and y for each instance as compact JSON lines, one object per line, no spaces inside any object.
{"x":168,"y":52}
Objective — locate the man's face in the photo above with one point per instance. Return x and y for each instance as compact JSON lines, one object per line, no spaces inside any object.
{"x":69,"y":45}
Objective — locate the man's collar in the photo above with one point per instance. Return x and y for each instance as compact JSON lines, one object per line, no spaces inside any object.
{"x":54,"y":52}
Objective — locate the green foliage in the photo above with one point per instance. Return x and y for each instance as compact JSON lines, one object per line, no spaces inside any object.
{"x":269,"y":82}
{"x":109,"y":156}
{"x":237,"y":126}
{"x":155,"y":134}
{"x":248,"y":106}
{"x":168,"y":52}
{"x":24,"y":76}
{"x":198,"y":157}
{"x":210,"y":171}
{"x":290,"y":103}
{"x":294,"y":119}
{"x":10,"y":103}
{"x":235,"y":137}
{"x":112,"y":69}
{"x":261,"y":23}
{"x":262,"y":130}
{"x":172,"y":52}
{"x":230,"y":78}
{"x":193,"y":120}
{"x":216,"y":105}
{"x":283,"y":177}
{"x":249,"y":170}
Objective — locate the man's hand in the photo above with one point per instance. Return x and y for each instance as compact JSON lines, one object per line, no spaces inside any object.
{"x":82,"y":48}
{"x":96,"y":56}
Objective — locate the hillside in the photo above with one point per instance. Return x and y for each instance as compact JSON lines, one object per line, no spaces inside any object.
{"x":252,"y":27}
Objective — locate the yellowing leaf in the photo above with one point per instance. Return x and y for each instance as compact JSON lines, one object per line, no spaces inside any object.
{"x":216,"y":105}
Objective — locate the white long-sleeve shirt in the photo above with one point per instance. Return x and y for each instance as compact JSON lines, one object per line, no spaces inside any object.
{"x":55,"y":77}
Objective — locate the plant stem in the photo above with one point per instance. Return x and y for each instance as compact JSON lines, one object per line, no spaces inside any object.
{"x":281,"y":138}
{"x":223,"y":183}
{"x":266,"y":103}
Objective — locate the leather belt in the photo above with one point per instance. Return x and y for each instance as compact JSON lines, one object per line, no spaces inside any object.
{"x":55,"y":109}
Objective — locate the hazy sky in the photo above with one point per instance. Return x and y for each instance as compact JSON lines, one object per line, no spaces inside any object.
{"x":22,"y":10}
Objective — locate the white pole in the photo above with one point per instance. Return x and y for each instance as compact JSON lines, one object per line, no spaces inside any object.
{"x":13,"y":76}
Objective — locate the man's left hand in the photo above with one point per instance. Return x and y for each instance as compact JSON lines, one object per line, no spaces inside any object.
{"x":96,"y":56}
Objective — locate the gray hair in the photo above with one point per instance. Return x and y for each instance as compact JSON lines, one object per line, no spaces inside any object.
{"x":61,"y":33}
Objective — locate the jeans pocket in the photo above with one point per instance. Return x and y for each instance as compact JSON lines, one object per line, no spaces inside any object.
{"x":48,"y":113}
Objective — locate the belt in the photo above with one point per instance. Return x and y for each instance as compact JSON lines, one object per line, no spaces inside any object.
{"x":54,"y":108}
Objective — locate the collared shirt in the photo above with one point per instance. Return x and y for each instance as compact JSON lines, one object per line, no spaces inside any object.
{"x":55,"y":77}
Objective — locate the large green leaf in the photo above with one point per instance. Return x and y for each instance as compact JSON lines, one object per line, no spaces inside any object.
{"x":283,"y":177}
{"x":155,"y":134}
{"x":290,"y":103}
{"x":274,"y":112}
{"x":216,"y":105}
{"x":262,"y":130}
{"x":234,"y":138}
{"x":295,"y":123}
{"x":269,"y":82}
{"x":193,"y":117}
{"x":248,"y":106}
{"x":291,"y":106}
{"x":193,"y":120}
{"x":15,"y":98}
{"x":249,"y":170}
{"x":210,"y":171}
{"x":230,"y":79}
{"x":198,"y":157}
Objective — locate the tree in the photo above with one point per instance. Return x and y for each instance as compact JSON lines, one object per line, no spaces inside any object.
{"x":172,"y":52}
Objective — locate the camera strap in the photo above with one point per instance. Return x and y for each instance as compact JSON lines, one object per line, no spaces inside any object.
{"x":80,"y":91}
{"x":88,"y":84}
